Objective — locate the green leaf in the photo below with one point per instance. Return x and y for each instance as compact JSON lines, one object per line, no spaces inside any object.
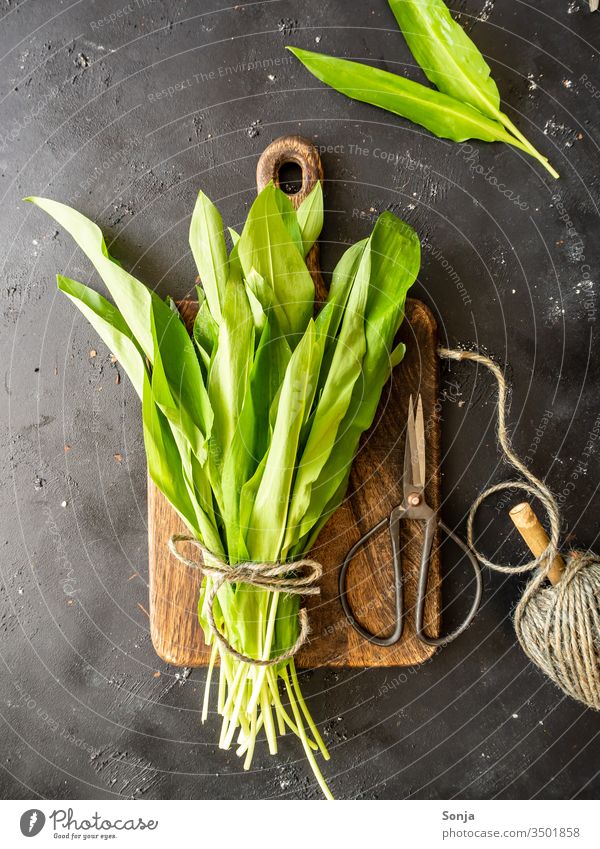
{"x":330,"y":316}
{"x":230,"y":368}
{"x":259,"y":298}
{"x":205,"y":332}
{"x":270,"y":365}
{"x":267,"y":246}
{"x":110,"y":326}
{"x":310,"y":217}
{"x":397,"y":354}
{"x":335,"y":397}
{"x":453,"y":62}
{"x":289,"y":217}
{"x":394,"y":250}
{"x":442,"y":115}
{"x":134,"y":300}
{"x":172,"y":305}
{"x":164,"y":461}
{"x":207,"y":242}
{"x":447,"y":55}
{"x":268,"y":520}
{"x":445,"y":116}
{"x":197,"y":482}
{"x":177,"y":380}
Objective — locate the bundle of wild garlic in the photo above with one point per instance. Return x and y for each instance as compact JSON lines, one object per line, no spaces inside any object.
{"x":251,"y":425}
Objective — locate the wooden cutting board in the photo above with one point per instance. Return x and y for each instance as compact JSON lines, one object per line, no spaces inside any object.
{"x":375,"y":488}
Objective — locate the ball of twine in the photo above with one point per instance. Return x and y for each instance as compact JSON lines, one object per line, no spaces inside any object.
{"x":558,"y":626}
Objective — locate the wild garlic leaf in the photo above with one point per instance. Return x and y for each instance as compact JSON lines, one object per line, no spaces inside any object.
{"x":267,"y":246}
{"x":328,"y":320}
{"x":394,"y":250}
{"x":197,"y":482}
{"x":268,"y":521}
{"x":177,"y":380}
{"x":251,"y":438}
{"x":230,"y":367}
{"x":134,"y":300}
{"x":110,"y":325}
{"x":244,"y":464}
{"x":207,"y":242}
{"x":289,"y":217}
{"x":172,"y":306}
{"x":271,"y":361}
{"x":259,"y":299}
{"x":205,"y":332}
{"x":453,"y":62}
{"x":439,"y":113}
{"x":164,"y":460}
{"x":310,"y":217}
{"x":335,"y":396}
{"x":395,"y":262}
{"x":447,"y":55}
{"x":397,"y":354}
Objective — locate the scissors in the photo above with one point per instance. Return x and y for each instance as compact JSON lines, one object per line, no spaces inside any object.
{"x":413,"y":506}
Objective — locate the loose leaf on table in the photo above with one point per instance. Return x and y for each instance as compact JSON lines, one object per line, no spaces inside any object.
{"x":110,"y":325}
{"x":447,"y":55}
{"x":452,"y":61}
{"x":439,"y":113}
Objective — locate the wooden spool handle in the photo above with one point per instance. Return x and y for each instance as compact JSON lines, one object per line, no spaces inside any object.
{"x":295,"y":149}
{"x":530,"y":528}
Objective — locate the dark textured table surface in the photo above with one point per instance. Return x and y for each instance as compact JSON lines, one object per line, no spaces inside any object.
{"x":125,"y":111}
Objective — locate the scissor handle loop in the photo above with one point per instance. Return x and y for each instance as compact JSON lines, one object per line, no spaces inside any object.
{"x":422,"y":588}
{"x":393,"y":521}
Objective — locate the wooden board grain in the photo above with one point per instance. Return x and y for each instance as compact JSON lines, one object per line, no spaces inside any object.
{"x":374,"y":489}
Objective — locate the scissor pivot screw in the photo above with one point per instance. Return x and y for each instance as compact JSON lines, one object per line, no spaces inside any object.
{"x":414,"y":499}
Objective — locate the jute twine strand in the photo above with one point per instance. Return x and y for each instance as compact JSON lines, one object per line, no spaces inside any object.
{"x":558,"y":626}
{"x":297,"y":578}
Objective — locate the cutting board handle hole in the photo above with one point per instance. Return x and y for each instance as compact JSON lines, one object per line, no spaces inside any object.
{"x":290,"y":177}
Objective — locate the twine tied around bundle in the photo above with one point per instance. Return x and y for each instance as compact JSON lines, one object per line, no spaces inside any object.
{"x":273,"y":577}
{"x":557,"y":624}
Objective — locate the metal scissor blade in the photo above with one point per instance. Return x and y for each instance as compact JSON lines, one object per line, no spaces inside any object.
{"x":411,"y":459}
{"x":420,"y":440}
{"x":408,"y":470}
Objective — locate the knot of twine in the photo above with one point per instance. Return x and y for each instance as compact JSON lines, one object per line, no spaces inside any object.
{"x":557,"y":626}
{"x":274,"y":577}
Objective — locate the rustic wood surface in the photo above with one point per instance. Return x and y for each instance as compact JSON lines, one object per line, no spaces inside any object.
{"x":375,"y":488}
